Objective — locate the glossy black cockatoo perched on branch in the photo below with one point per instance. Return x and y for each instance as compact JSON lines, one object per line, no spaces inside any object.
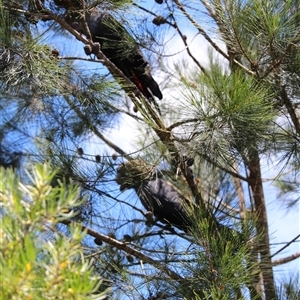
{"x":156,"y":194}
{"x":121,"y":49}
{"x":163,"y":199}
{"x":116,"y":44}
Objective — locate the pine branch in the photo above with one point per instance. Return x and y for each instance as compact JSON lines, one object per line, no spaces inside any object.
{"x":290,"y":109}
{"x":285,"y":260}
{"x":124,"y":247}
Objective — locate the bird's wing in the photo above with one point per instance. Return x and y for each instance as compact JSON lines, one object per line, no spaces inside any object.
{"x":166,"y":203}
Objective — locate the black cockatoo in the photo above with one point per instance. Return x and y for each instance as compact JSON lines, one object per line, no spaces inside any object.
{"x":120,"y":48}
{"x":156,"y":194}
{"x":163,"y":199}
{"x":116,"y":44}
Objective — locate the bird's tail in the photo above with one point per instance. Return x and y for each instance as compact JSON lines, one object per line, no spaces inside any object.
{"x":146,"y":84}
{"x":153,"y":86}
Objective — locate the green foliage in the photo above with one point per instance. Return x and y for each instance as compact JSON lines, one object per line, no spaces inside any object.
{"x":289,"y":288}
{"x":235,"y":112}
{"x":221,"y":266}
{"x":38,"y":261}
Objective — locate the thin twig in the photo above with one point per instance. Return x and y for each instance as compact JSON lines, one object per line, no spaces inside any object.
{"x":211,"y":42}
{"x":96,"y":131}
{"x":285,"y":246}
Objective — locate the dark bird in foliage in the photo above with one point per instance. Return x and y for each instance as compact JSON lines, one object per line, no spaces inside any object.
{"x":162,"y":198}
{"x":121,"y":49}
{"x":117,"y":45}
{"x":156,"y":194}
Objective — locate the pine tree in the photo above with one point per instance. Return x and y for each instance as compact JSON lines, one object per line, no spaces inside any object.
{"x":207,"y":142}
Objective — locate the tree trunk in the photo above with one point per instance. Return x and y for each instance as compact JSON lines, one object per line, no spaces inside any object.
{"x":263,"y":247}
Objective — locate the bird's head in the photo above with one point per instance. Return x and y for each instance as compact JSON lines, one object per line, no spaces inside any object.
{"x":132,"y":173}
